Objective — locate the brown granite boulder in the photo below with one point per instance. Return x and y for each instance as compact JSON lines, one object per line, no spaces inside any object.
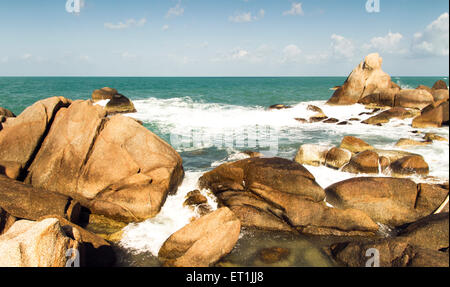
{"x":337,"y":157}
{"x":380,"y":98}
{"x":35,"y":244}
{"x":409,"y":165}
{"x":386,"y":116}
{"x":21,"y":137}
{"x":310,"y":154}
{"x":355,"y":145}
{"x":392,"y":201}
{"x":364,"y":162}
{"x":416,"y":99}
{"x":363,"y":81}
{"x":24,"y":201}
{"x":405,"y":143}
{"x":440,"y":85}
{"x":278,"y":194}
{"x":440,"y":95}
{"x":105,"y":93}
{"x":433,"y":116}
{"x":119,"y":104}
{"x":113,"y":166}
{"x":203,"y":242}
{"x":426,"y":88}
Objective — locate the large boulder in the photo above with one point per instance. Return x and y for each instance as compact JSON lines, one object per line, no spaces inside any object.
{"x":392,"y":201}
{"x":311,"y":154}
{"x":203,"y":242}
{"x":278,"y":194}
{"x":355,"y":145}
{"x":21,"y":137}
{"x":386,"y":116}
{"x":363,"y":81}
{"x":405,"y":143}
{"x":24,"y":201}
{"x":433,"y":116}
{"x":416,"y":99}
{"x":114,"y":166}
{"x":35,"y":244}
{"x":105,"y":93}
{"x":119,"y":104}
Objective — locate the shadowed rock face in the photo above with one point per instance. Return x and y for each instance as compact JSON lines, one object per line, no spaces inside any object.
{"x":105,"y":93}
{"x":386,"y":116}
{"x":392,"y":201}
{"x":24,"y":201}
{"x":119,"y":104}
{"x":363,"y":81}
{"x":203,"y":242}
{"x":278,"y":194}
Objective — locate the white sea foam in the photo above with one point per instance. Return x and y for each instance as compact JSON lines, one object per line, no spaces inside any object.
{"x":149,"y":236}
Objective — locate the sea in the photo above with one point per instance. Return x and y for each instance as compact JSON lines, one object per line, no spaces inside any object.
{"x":211,"y":121}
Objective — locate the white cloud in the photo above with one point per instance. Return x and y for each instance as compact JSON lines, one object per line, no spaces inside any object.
{"x":391,"y":44}
{"x":434,"y":40}
{"x":296,"y":9}
{"x":181,"y":60}
{"x":175,"y":11}
{"x":342,"y":47}
{"x":165,"y":27}
{"x":127,"y":24}
{"x":247,"y":17}
{"x":291,"y":53}
{"x":317,"y":58}
{"x":26,"y":56}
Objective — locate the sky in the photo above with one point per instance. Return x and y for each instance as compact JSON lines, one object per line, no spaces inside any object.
{"x":221,"y":37}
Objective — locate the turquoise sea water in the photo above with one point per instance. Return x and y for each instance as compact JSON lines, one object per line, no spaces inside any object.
{"x":210,"y":121}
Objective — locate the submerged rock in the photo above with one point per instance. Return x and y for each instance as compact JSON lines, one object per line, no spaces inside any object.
{"x":203,"y":242}
{"x":279,"y":107}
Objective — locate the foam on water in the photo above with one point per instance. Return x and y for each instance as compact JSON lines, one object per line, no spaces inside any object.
{"x":183,"y":115}
{"x":149,"y":236}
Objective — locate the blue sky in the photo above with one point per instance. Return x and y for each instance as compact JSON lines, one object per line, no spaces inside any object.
{"x":221,"y":38}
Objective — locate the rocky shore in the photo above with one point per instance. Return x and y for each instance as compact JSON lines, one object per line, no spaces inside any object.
{"x":74,"y":173}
